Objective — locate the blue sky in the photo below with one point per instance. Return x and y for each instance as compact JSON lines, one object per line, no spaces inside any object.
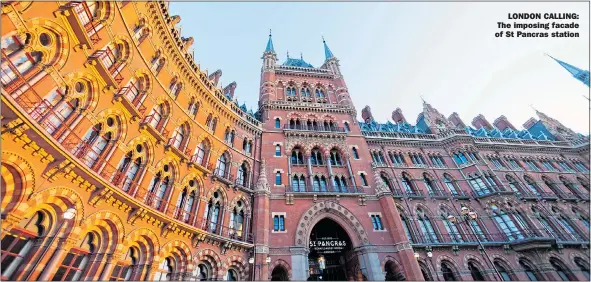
{"x":391,"y":53}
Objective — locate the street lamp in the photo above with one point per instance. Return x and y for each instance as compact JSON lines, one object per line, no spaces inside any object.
{"x":468,"y":215}
{"x":68,"y":215}
{"x":417,"y":255}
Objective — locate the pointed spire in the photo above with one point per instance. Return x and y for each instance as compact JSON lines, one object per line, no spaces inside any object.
{"x":288,"y":54}
{"x":327,"y":53}
{"x":581,"y":75}
{"x":270,"y":44}
{"x":301,"y":56}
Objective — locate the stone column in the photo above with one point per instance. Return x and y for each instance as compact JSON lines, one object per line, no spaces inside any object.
{"x":109,"y":265}
{"x":351,"y":175}
{"x":261,"y":223}
{"x":369,"y":263}
{"x":299,"y":263}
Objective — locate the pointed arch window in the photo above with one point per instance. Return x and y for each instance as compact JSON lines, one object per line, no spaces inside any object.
{"x":222,"y":166}
{"x":242,"y":175}
{"x":407,"y":184}
{"x":427,"y":227}
{"x":291,"y":92}
{"x":335,"y":158}
{"x":277,"y":150}
{"x":201,"y":153}
{"x":94,"y":145}
{"x":567,"y":226}
{"x":155,"y":118}
{"x":212,"y":213}
{"x":503,"y":271}
{"x":406,"y":226}
{"x":316,"y":157}
{"x":531,"y":275}
{"x":54,"y":111}
{"x":583,"y":266}
{"x":478,"y":186}
{"x":431,"y":187}
{"x":277,"y":123}
{"x":298,"y":183}
{"x":237,"y":220}
{"x":452,"y":229}
{"x":532,"y":186}
{"x":582,"y":218}
{"x":178,"y":138}
{"x":319,"y":93}
{"x":475,"y":272}
{"x":193,"y":108}
{"x":450,"y":185}
{"x":506,"y":224}
{"x":340,"y":184}
{"x":77,"y":259}
{"x":127,"y":174}
{"x":305,"y":92}
{"x":175,"y":88}
{"x":346,"y":125}
{"x":165,"y":270}
{"x":386,"y":181}
{"x":513,"y":184}
{"x":447,"y":272}
{"x":157,"y":191}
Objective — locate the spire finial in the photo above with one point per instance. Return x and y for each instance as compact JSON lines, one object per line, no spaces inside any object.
{"x":269,"y":32}
{"x":288,"y":54}
{"x":423,"y":98}
{"x":327,"y":53}
{"x":532,"y":106}
{"x":302,"y":56}
{"x":269,"y":47}
{"x":323,"y":41}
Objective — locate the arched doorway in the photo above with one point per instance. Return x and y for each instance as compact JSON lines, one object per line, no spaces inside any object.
{"x":330,"y":257}
{"x":279,"y":274}
{"x":394,"y":272}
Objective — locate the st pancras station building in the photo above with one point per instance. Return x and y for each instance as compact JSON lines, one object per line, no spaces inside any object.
{"x":123,"y":160}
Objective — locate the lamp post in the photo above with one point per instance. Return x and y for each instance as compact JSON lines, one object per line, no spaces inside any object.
{"x":68,"y":214}
{"x":251,"y":262}
{"x":468,"y":215}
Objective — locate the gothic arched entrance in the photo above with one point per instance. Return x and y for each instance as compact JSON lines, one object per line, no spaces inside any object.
{"x":330,"y":257}
{"x":279,"y":274}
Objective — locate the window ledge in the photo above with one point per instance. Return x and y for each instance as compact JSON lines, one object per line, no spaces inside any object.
{"x":385,"y":230}
{"x":279,"y":232}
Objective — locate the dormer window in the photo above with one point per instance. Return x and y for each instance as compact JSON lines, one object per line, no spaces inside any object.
{"x":439,"y":124}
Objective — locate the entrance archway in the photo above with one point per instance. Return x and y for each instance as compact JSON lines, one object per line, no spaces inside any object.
{"x":330,"y":257}
{"x":279,"y":274}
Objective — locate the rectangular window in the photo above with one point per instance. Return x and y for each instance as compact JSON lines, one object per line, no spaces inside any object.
{"x":279,"y":223}
{"x":278,"y":178}
{"x":70,"y":265}
{"x":277,"y":151}
{"x":377,"y":222}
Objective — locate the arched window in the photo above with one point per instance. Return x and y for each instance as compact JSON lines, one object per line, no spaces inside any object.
{"x":193,"y":108}
{"x":447,"y":271}
{"x":221,"y":166}
{"x":277,"y":123}
{"x":297,"y":157}
{"x":305,"y":92}
{"x":298,"y":183}
{"x":212,"y":212}
{"x":528,"y":269}
{"x":553,"y":186}
{"x":431,"y":187}
{"x":584,"y":219}
{"x":503,"y":270}
{"x":427,"y":227}
{"x":319,"y":93}
{"x":112,"y":58}
{"x":156,"y":117}
{"x":513,"y":184}
{"x":127,"y":174}
{"x":406,"y":226}
{"x":570,"y":229}
{"x":55,"y":111}
{"x":323,"y":184}
{"x":165,"y":270}
{"x":407,"y":184}
{"x":451,"y":228}
{"x":242,"y":175}
{"x":316,"y":157}
{"x":237,"y":220}
{"x":363,"y":179}
{"x":573,"y":187}
{"x":278,"y":180}
{"x":584,"y":183}
{"x":583,"y":266}
{"x":158,"y":189}
{"x":450,"y":184}
{"x":214,"y":123}
{"x":340,"y":184}
{"x":506,"y":224}
{"x":347,"y":128}
{"x":561,"y":270}
{"x":478,"y":186}
{"x":135,"y":90}
{"x":291,"y":92}
{"x":355,"y":153}
{"x":425,"y":271}
{"x":201,"y":153}
{"x":185,"y":204}
{"x":124,"y":269}
{"x":475,"y":271}
{"x":386,"y":181}
{"x":157,"y":63}
{"x":16,"y":62}
{"x":531,"y":185}
{"x":231,"y":275}
{"x":277,"y":150}
{"x":545,"y":223}
{"x":178,"y":139}
{"x":95,"y":144}
{"x":335,"y":158}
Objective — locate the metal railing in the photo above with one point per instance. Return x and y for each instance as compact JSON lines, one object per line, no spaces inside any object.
{"x":134,"y":100}
{"x":159,"y":128}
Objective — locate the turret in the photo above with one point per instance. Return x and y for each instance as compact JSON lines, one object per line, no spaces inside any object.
{"x":229,"y":90}
{"x":366,"y":114}
{"x":455,"y":119}
{"x":331,"y":62}
{"x":269,"y":56}
{"x":503,"y":123}
{"x":480,"y":121}
{"x":215,"y":77}
{"x":397,"y":116}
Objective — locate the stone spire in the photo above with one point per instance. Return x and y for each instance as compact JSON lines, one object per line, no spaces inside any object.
{"x":327,"y":53}
{"x":581,"y":75}
{"x":269,"y":47}
{"x":262,"y":184}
